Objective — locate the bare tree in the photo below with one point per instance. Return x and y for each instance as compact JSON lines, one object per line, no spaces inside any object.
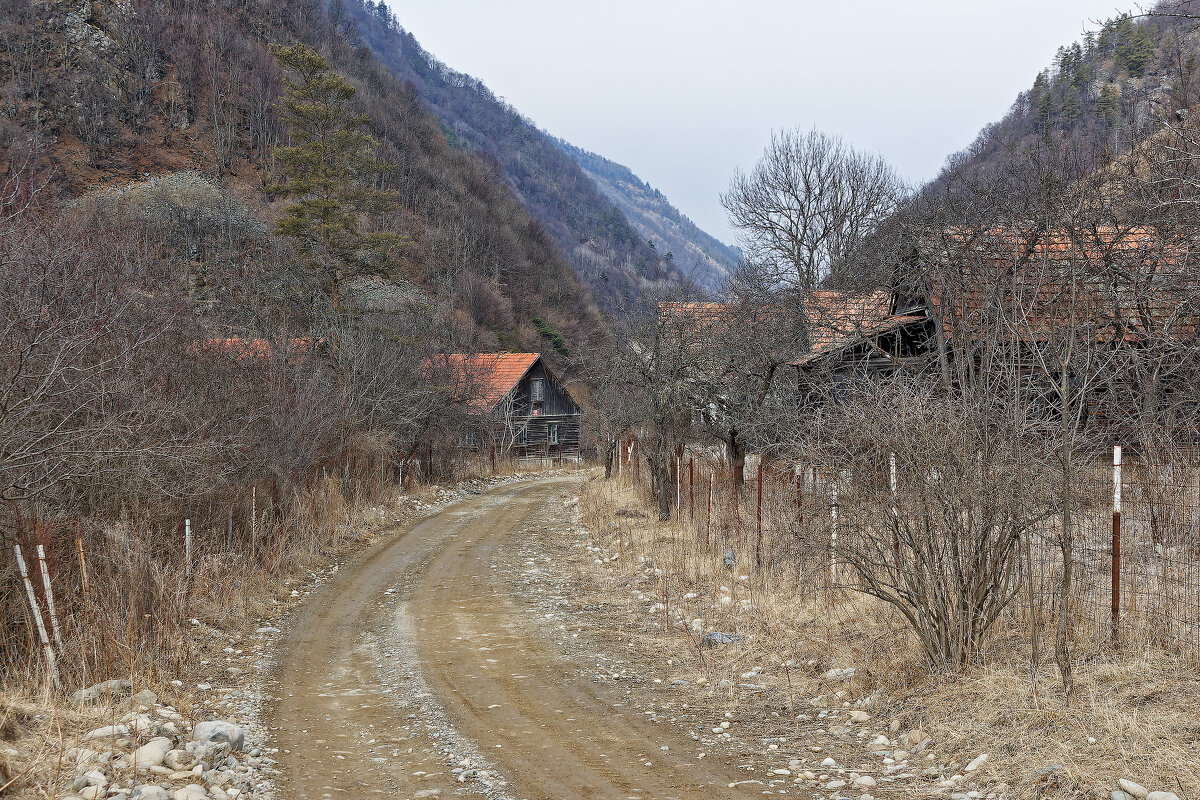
{"x":808,"y":204}
{"x":654,"y":362}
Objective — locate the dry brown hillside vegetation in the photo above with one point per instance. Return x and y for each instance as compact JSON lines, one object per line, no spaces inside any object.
{"x":210,"y":353}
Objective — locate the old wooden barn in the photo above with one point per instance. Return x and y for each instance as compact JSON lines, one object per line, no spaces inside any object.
{"x":517,"y":405}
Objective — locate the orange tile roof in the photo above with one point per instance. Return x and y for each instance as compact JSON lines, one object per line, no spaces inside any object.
{"x":485,"y":378}
{"x":834,"y":318}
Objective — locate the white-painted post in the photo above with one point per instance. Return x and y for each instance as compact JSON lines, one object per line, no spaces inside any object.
{"x":833,"y":512}
{"x":1116,"y":546}
{"x":895,"y":487}
{"x":254,"y":515}
{"x":49,"y":592}
{"x":620,"y":460}
{"x":37,"y":615}
{"x":708,"y":519}
{"x":187,"y":547}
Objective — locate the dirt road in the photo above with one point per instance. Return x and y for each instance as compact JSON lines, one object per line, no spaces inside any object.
{"x":416,"y":673}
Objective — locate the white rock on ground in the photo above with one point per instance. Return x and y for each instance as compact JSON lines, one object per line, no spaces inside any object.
{"x":1135,"y":789}
{"x":109,"y":731}
{"x":219,"y":731}
{"x":1162,"y":796}
{"x":151,"y":754}
{"x":977,"y":763}
{"x":150,"y":793}
{"x":117,"y":687}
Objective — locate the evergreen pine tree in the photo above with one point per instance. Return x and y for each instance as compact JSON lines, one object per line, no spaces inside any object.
{"x":1071,"y":109}
{"x":1141,"y":51}
{"x":329,"y":167}
{"x":1109,"y":103}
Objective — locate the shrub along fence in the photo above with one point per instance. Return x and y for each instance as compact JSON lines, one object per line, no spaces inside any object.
{"x":1135,"y":545}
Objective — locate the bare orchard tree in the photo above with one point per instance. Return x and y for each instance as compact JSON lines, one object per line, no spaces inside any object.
{"x":941,"y":543}
{"x":388,"y":387}
{"x":654,"y":364}
{"x":614,"y":406}
{"x":808,"y":204}
{"x":744,"y":343}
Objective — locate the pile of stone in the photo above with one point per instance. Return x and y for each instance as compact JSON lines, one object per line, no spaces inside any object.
{"x":151,"y":752}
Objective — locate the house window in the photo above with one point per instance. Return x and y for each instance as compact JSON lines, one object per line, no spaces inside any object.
{"x":469,"y":439}
{"x":538,"y":390}
{"x":521,"y":435}
{"x":553,"y":434}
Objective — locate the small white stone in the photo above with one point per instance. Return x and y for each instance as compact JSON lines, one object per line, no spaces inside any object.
{"x":1135,"y":789}
{"x":977,"y":763}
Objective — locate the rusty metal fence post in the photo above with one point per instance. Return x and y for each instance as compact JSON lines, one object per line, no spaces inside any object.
{"x":758,"y":519}
{"x":691,"y":483}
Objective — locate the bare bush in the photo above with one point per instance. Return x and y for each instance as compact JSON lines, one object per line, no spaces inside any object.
{"x":933,"y":499}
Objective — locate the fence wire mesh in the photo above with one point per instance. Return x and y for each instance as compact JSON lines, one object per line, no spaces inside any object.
{"x":1157,"y":589}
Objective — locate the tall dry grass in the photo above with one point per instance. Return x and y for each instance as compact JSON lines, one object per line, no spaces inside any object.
{"x":1138,"y":713}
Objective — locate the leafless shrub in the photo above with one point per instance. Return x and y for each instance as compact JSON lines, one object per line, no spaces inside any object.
{"x":941,"y":544}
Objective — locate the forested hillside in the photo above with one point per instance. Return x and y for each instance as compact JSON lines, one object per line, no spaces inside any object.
{"x":702,"y":257}
{"x":98,"y":94}
{"x":1105,"y":92}
{"x":612,"y":257}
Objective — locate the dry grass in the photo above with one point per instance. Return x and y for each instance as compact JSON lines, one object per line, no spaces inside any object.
{"x":145,"y":621}
{"x":1137,"y":716}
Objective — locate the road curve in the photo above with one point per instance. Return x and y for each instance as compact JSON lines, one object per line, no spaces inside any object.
{"x":422,"y":630}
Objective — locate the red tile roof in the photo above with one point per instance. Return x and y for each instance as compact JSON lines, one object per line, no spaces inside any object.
{"x":485,"y":378}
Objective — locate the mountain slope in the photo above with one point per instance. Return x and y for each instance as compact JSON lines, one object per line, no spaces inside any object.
{"x":612,"y":258}
{"x":1105,"y":92}
{"x":703,"y":258}
{"x":103,"y":93}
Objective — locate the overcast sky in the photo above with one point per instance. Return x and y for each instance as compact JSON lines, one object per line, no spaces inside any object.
{"x":684,"y":93}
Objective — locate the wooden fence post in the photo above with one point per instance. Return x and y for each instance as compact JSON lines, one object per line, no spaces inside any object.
{"x":895,"y":506}
{"x":1116,"y":546}
{"x":678,"y":482}
{"x":37,"y":616}
{"x":83,"y":578}
{"x":833,"y":513}
{"x":49,"y":592}
{"x":229,"y":532}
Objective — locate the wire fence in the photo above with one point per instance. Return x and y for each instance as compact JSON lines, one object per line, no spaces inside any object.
{"x":784,"y":518}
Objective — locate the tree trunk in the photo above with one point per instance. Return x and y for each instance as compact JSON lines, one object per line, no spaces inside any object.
{"x":737,"y":459}
{"x":608,"y":458}
{"x":664,"y":497}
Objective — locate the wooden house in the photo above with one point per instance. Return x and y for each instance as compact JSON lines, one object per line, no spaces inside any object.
{"x":515,"y":404}
{"x":966,"y":302}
